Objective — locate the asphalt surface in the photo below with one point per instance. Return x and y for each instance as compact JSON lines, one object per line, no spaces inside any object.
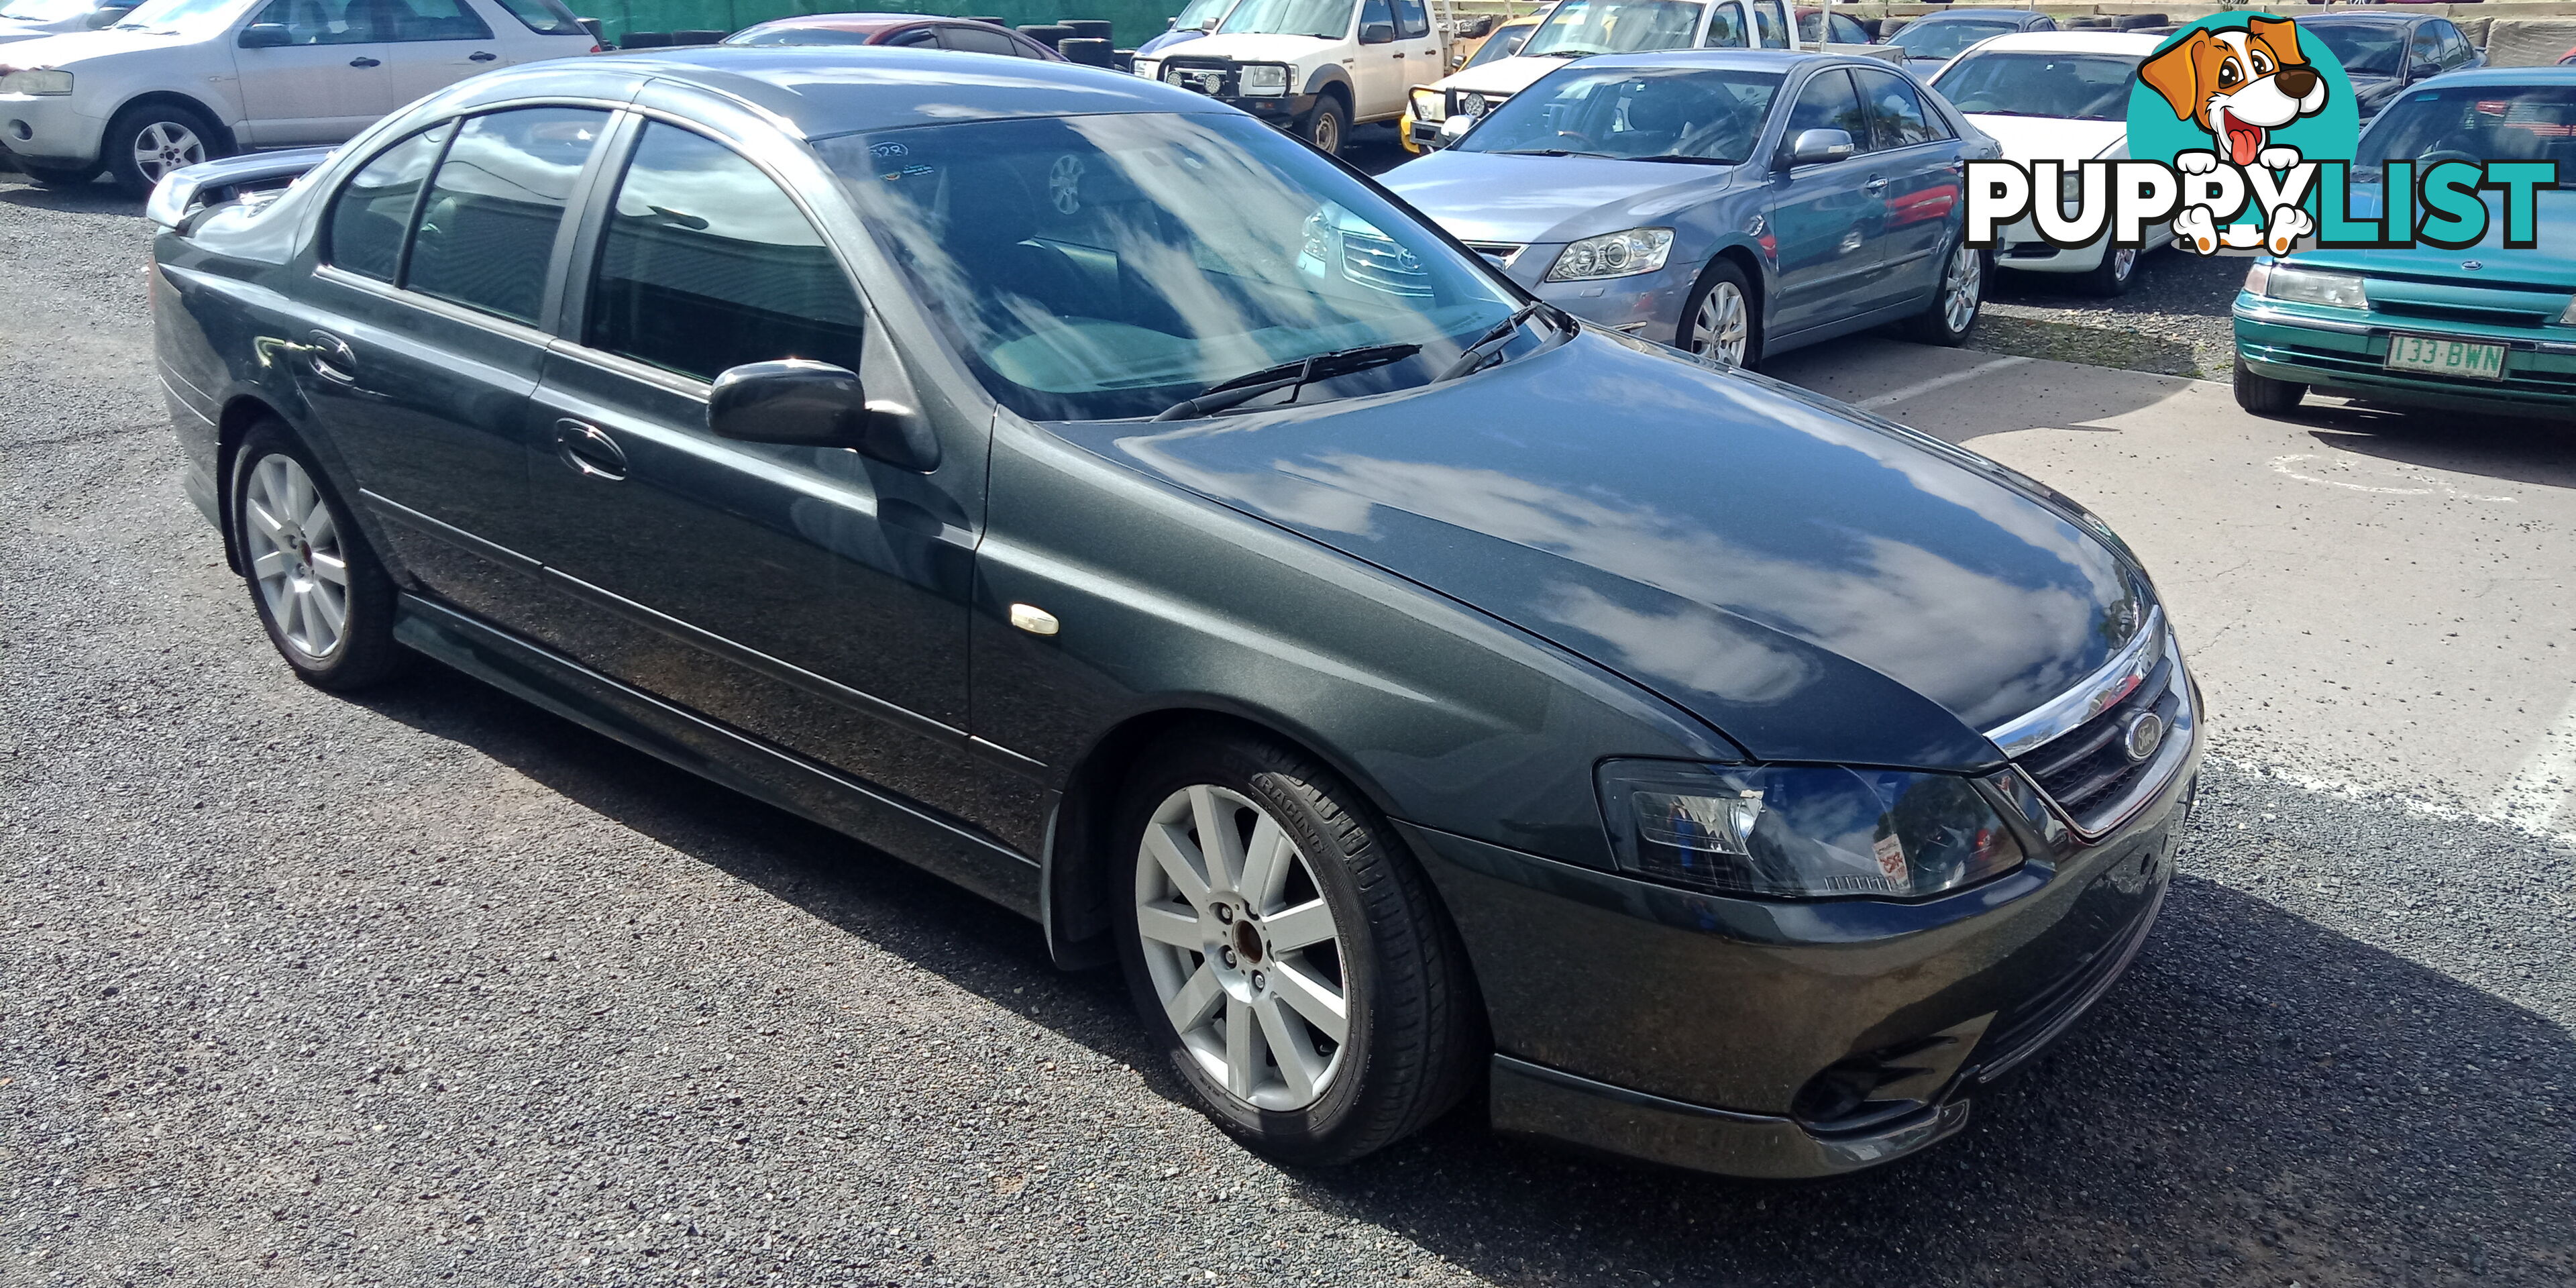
{"x":431,"y":987}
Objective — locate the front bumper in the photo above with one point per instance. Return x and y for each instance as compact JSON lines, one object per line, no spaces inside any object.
{"x":2019,"y":246}
{"x":46,"y":129}
{"x":1647,"y":305}
{"x":2345,"y":351}
{"x":1656,"y":1023}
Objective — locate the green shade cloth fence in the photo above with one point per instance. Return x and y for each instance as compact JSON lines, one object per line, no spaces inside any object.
{"x":1135,"y":21}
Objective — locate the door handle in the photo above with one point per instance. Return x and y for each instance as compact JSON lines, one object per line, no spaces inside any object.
{"x":332,"y":358}
{"x":481,"y":56}
{"x":364,"y":62}
{"x":1876,"y":187}
{"x":589,"y":451}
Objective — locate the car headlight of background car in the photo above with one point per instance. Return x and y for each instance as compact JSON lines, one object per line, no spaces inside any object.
{"x":1264,"y":80}
{"x":1150,"y":68}
{"x":1804,"y":831}
{"x":2306,"y":286}
{"x":1619,"y":254}
{"x":36,"y":82}
{"x":1430,"y":106}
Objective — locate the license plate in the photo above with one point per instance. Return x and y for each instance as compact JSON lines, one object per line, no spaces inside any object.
{"x":2441,"y":357}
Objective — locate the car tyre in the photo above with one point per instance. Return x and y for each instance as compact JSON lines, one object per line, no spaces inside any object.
{"x":149,"y":140}
{"x":1234,"y":955}
{"x":1956,"y":302}
{"x":324,"y":598}
{"x":1721,"y":319}
{"x":1327,"y":126}
{"x":2117,"y":272}
{"x":2264,"y":396}
{"x":59,"y":176}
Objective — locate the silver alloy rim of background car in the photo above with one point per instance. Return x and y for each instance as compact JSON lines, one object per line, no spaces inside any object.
{"x":294,"y":548}
{"x":164,"y":146}
{"x":1959,"y":289}
{"x":1243,"y":951}
{"x":1722,"y":328}
{"x":2123,"y":263}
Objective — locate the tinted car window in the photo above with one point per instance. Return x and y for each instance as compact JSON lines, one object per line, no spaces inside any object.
{"x":487,"y":228}
{"x":1828,"y":103}
{"x":1375,"y":11}
{"x":1410,"y":20}
{"x":705,"y":264}
{"x":2532,"y":122}
{"x":1725,"y":29}
{"x":917,"y":38}
{"x":318,"y":22}
{"x":1766,"y":20}
{"x":1706,"y":115}
{"x":373,"y":211}
{"x":2082,"y":87}
{"x":2364,"y":48}
{"x":402,"y":20}
{"x":1898,"y":118}
{"x":978,"y":40}
{"x":545,"y":17}
{"x":2424,"y":50}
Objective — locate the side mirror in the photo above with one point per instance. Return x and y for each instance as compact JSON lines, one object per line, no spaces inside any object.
{"x":814,"y":404}
{"x":1812,"y":146}
{"x":1377,"y":33}
{"x":1455,"y":128}
{"x":103,"y":18}
{"x":266,"y":35}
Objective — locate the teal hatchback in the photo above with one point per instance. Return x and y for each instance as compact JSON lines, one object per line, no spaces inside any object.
{"x":2486,"y":329}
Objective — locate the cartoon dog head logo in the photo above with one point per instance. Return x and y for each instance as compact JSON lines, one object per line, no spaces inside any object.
{"x":2239,"y":85}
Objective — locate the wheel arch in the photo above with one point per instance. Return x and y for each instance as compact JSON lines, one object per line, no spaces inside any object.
{"x":1332,"y":79}
{"x":172,"y":98}
{"x":1082,"y":844}
{"x":1749,"y":263}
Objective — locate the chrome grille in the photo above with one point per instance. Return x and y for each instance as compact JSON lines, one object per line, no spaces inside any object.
{"x":2090,"y":763}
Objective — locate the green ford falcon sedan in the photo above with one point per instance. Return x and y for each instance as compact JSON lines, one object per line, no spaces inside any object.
{"x":2486,"y":329}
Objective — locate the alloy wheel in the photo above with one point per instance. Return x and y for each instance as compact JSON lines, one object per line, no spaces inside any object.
{"x":1960,"y":288}
{"x":2124,"y":261}
{"x":1723,"y":325}
{"x":164,"y":146}
{"x":1244,"y":954}
{"x":295,"y":555}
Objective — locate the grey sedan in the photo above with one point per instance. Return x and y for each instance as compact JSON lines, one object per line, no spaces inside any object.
{"x":1731,"y":203}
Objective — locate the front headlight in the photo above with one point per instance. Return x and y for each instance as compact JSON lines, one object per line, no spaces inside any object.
{"x":2308,"y":286}
{"x":1150,"y":68}
{"x":36,"y":82}
{"x":1802,"y":832}
{"x":1264,"y":80}
{"x":1620,"y":254}
{"x":1430,"y":106}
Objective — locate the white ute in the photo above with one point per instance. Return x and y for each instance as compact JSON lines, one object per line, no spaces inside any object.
{"x":1580,"y":28}
{"x":1314,"y":67}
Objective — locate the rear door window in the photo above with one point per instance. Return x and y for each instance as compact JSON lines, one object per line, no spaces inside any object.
{"x":1410,"y":21}
{"x":706,"y":264}
{"x":407,"y":20}
{"x":545,"y":17}
{"x":487,"y":228}
{"x":372,"y":212}
{"x":1773,"y":28}
{"x":319,"y":22}
{"x":977,"y":40}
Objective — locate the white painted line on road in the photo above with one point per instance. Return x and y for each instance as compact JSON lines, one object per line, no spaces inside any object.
{"x":2547,"y":778}
{"x":2434,"y":482}
{"x":1898,"y":395}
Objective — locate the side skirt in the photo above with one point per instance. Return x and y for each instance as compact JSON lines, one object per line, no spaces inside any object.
{"x":719,"y":754}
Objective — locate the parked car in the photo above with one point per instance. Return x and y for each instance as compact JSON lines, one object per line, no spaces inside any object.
{"x":1731,"y":204}
{"x":2383,"y":53}
{"x":29,"y":19}
{"x":2056,"y":96}
{"x":1934,"y":39}
{"x":1193,"y":558}
{"x":179,"y":81}
{"x":1502,"y":42}
{"x":2485,"y":329}
{"x":1312,"y":67}
{"x":1582,"y":28}
{"x":1196,"y":18}
{"x":903,"y":30}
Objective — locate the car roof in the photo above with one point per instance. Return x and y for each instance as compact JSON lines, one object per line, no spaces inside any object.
{"x":2073,"y":42}
{"x":1972,"y":13}
{"x":1768,"y":60}
{"x":821,"y":91}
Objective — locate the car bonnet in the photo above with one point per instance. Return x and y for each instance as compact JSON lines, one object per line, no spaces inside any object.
{"x":1816,"y":584}
{"x":1489,"y":196}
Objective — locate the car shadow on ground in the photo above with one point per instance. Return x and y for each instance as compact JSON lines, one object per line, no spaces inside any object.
{"x":97,"y":197}
{"x":2261,"y":1101}
{"x":2517,"y":449}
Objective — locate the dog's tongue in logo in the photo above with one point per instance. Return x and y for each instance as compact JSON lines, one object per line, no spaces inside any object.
{"x":2244,"y":142}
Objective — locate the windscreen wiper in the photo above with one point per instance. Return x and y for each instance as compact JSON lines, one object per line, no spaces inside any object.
{"x":1287,"y":375}
{"x":1473,"y":356}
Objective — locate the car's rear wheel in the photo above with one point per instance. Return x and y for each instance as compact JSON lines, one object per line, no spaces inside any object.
{"x":326,"y":602}
{"x":2264,"y":396}
{"x":59,"y":176}
{"x":1955,"y":304}
{"x":148,"y":141}
{"x":1325,"y":125}
{"x":2114,"y":275}
{"x":1718,"y":320}
{"x":1288,"y":953}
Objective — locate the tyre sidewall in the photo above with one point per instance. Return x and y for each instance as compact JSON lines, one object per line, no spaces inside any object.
{"x":116,"y":147}
{"x":1722,"y":270}
{"x":1317,"y":1129}
{"x":1331,"y":106}
{"x":367,"y":652}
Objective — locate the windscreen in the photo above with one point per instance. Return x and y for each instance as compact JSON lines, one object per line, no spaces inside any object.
{"x":1501,"y":45}
{"x":2080,"y":87}
{"x":1944,"y":39}
{"x":2364,"y":48}
{"x":1660,"y":114}
{"x":2475,"y":123}
{"x":1097,"y":267}
{"x":1580,"y":27}
{"x":1323,"y":19}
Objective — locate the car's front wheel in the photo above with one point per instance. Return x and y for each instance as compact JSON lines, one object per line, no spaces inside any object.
{"x":1954,"y":306}
{"x":1288,"y":953}
{"x":2115,"y":274}
{"x":148,"y":141}
{"x":327,"y":603}
{"x":2264,"y":396}
{"x":1325,"y":125}
{"x":1718,"y":320}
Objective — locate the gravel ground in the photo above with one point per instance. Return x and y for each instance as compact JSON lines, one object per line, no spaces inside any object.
{"x":2173,"y":321}
{"x":432,"y":987}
